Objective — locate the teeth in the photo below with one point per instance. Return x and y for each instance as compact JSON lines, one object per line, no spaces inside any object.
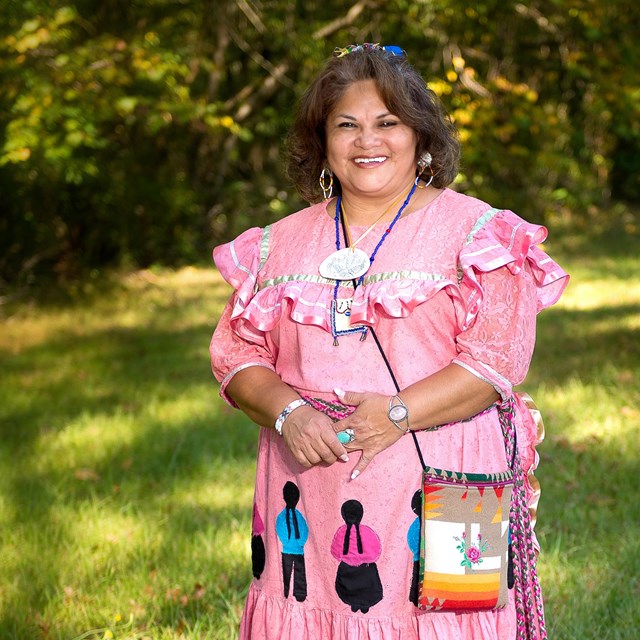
{"x":370,"y":160}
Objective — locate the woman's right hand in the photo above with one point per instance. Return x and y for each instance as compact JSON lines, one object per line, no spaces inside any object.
{"x":310,"y":437}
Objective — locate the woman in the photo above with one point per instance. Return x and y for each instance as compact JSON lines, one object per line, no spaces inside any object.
{"x":451,"y":288}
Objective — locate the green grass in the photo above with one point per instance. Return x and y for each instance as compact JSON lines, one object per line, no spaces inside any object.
{"x":126,"y":484}
{"x":585,"y":375}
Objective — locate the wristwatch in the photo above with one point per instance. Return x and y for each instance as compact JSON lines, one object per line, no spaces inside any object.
{"x":399,"y":413}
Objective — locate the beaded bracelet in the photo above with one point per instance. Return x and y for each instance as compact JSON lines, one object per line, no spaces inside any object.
{"x":286,"y":411}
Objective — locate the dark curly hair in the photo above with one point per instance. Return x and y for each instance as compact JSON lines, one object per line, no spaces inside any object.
{"x":404,"y":93}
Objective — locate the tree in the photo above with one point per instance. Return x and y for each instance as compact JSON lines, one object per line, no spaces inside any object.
{"x":143,"y":132}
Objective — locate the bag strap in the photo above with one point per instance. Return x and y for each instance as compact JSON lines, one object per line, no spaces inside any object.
{"x":397,"y":386}
{"x":379,"y":345}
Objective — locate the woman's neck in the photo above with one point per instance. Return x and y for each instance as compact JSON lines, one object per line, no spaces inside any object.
{"x":363,"y":211}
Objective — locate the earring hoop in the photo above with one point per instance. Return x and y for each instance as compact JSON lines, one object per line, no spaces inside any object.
{"x":326,"y":183}
{"x":423,"y":163}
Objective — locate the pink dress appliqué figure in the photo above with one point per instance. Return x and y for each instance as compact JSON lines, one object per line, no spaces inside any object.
{"x":357,"y":547}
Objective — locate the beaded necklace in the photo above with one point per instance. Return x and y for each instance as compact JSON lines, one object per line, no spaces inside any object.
{"x":335,"y":330}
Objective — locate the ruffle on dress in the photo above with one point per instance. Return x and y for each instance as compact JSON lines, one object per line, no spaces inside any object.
{"x":505,"y":239}
{"x":501,"y":240}
{"x":270,"y":618}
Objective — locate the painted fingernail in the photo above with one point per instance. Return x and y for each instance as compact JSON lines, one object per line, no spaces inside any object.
{"x":344,"y":457}
{"x":339,"y":392}
{"x":355,"y":474}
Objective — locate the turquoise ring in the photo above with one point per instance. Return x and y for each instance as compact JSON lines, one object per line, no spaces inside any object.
{"x":347,"y":436}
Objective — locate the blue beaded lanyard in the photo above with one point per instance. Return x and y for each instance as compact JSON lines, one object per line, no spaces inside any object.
{"x":361,"y":329}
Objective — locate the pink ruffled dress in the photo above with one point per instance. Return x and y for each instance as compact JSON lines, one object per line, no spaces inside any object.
{"x":456,"y":281}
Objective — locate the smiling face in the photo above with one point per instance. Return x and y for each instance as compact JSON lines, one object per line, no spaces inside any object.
{"x":369,"y":149}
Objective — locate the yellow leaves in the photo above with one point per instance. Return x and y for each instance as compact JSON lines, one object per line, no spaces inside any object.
{"x":30,"y":26}
{"x":181,"y":92}
{"x":65,"y":15}
{"x":34,"y":33}
{"x":502,"y":83}
{"x":226,"y":122}
{"x":126,"y":105}
{"x":223,"y":122}
{"x":31,"y":41}
{"x":21,"y":154}
{"x":440,"y":87}
{"x":21,"y":139}
{"x":152,"y":38}
{"x":142,"y":64}
{"x":462,"y":117}
{"x":75,"y":138}
{"x":520,"y":89}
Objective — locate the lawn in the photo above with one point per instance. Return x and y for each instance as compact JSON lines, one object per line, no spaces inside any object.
{"x":126,"y":484}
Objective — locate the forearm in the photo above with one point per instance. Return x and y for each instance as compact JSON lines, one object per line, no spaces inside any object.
{"x":450,"y":395}
{"x":261,"y":394}
{"x":308,"y":434}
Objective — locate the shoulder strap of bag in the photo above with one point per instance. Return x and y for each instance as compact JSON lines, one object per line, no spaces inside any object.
{"x":397,"y":386}
{"x":382,"y":353}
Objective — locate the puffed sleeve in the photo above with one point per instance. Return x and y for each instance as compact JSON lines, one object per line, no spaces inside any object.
{"x":506,"y":280}
{"x":236,"y":345}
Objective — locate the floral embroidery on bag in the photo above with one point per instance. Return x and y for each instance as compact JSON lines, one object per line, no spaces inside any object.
{"x":471,"y":552}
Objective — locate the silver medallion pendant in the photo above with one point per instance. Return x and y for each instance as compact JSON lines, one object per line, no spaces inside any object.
{"x":345,"y":264}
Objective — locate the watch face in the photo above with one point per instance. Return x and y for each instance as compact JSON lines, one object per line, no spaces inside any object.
{"x":398,"y":413}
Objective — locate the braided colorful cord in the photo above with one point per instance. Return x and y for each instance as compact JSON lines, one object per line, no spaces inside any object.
{"x":529,"y":609}
{"x":335,"y":410}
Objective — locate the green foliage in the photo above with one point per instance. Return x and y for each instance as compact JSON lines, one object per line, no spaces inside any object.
{"x":144,"y":132}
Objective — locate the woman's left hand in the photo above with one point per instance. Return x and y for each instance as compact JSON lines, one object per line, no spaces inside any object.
{"x":373,"y":431}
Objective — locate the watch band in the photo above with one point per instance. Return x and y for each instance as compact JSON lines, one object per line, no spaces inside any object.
{"x":285,"y":413}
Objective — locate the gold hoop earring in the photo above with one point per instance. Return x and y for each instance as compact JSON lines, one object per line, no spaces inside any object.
{"x":326,"y":183}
